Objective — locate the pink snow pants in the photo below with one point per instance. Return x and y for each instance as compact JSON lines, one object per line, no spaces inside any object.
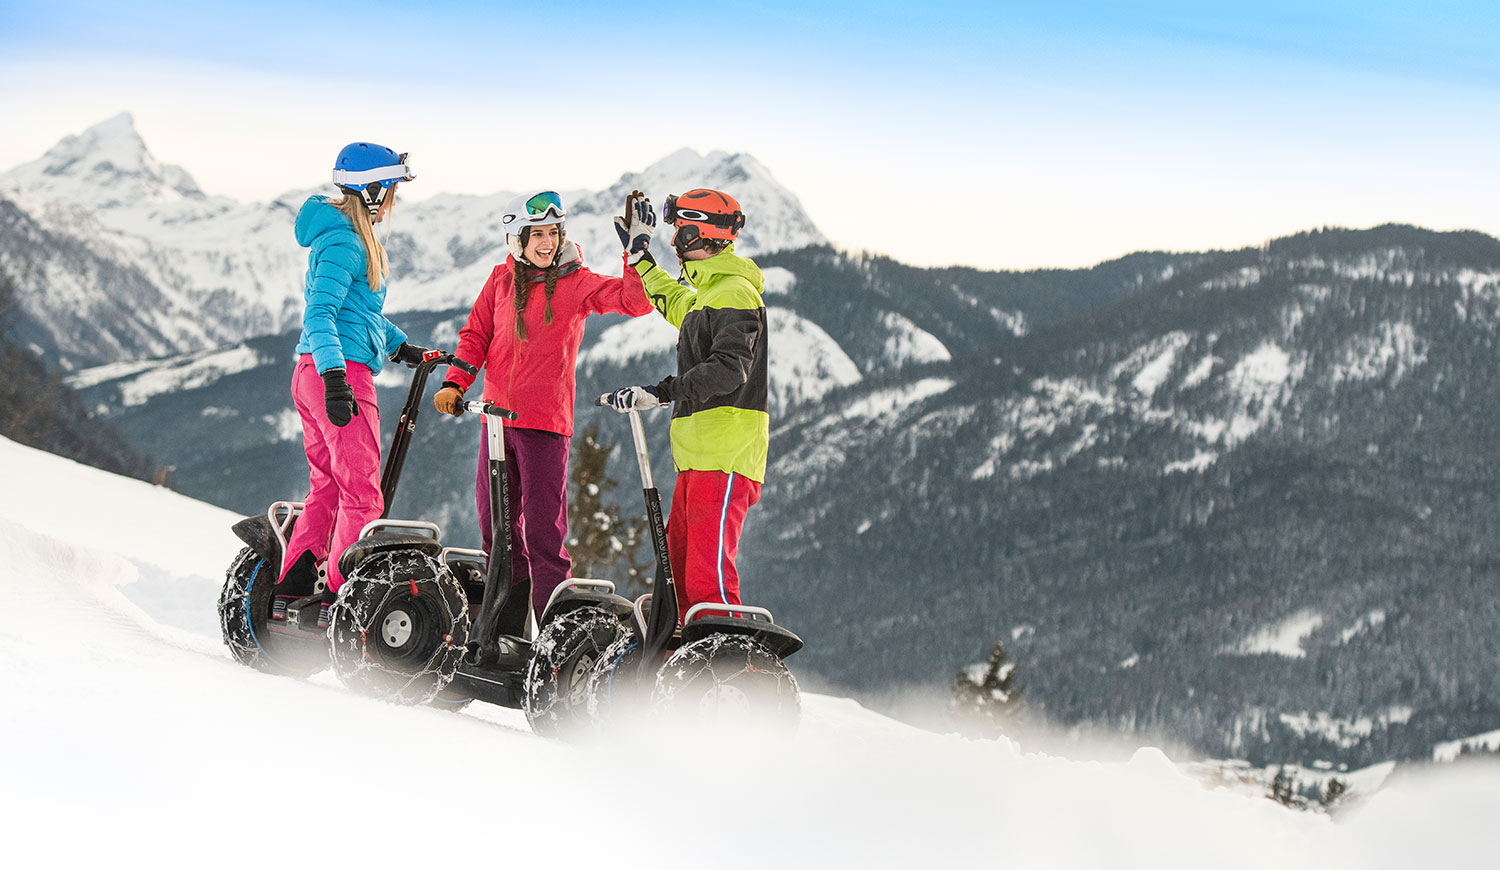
{"x":343,"y":466}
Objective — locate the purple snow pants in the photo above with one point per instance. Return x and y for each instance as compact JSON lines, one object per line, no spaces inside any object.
{"x":536,"y":470}
{"x":343,"y":465}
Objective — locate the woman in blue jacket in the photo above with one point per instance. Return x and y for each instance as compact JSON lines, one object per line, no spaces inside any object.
{"x":345,"y":340}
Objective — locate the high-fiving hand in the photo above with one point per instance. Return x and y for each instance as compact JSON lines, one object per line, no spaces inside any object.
{"x":636,"y":227}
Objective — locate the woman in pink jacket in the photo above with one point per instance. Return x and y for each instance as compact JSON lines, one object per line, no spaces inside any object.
{"x":524,"y":330}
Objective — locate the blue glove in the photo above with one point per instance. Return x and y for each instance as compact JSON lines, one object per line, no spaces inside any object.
{"x":632,"y":399}
{"x":636,"y":227}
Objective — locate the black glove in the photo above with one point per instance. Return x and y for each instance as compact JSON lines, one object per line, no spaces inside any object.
{"x":338,"y":398}
{"x":408,"y":353}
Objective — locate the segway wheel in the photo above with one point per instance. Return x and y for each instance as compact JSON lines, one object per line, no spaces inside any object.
{"x":557,"y":673}
{"x":617,"y":691}
{"x":398,"y":627}
{"x":727,"y":679}
{"x":244,"y":617}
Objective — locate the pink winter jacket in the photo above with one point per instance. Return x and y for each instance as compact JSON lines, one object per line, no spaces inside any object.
{"x":535,"y":377}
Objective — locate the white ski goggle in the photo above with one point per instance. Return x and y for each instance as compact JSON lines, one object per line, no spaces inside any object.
{"x":398,"y":172}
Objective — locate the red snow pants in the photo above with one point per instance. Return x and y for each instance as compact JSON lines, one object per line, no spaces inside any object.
{"x":343,"y":467}
{"x":703,"y":535}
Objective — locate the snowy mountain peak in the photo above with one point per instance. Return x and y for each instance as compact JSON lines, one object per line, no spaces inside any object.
{"x":774,"y":218}
{"x":447,"y":245}
{"x":106,"y":165}
{"x":221,"y":270}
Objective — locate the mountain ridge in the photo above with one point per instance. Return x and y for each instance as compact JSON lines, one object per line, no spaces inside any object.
{"x":224,"y":270}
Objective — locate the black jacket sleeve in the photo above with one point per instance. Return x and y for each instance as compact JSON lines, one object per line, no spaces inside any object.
{"x":733,"y":335}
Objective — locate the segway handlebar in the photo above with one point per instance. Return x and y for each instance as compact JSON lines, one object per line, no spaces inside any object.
{"x":431,"y":359}
{"x":488,"y":408}
{"x":395,"y":458}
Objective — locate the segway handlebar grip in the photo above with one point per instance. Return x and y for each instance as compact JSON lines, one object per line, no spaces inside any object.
{"x":460,"y":364}
{"x":489,"y":408}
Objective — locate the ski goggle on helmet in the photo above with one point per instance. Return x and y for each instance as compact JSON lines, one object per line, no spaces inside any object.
{"x":530,"y":210}
{"x":538,"y":209}
{"x":700,"y":215}
{"x":369,"y":171}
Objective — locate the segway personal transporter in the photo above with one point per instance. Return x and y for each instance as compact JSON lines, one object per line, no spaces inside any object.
{"x":501,"y":661}
{"x":726,"y":662}
{"x":387,"y":549}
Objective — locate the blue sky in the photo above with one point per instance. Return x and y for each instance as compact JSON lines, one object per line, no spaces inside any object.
{"x":998,"y":135}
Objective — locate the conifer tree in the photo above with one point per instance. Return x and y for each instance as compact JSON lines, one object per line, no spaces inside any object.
{"x":1335,"y":791}
{"x":986,"y":700}
{"x":1282,"y":789}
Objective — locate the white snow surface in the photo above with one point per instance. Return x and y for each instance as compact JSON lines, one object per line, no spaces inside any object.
{"x":1283,"y":638}
{"x":910,"y":343}
{"x":633,"y":339}
{"x":1489,"y":741}
{"x":807,"y":362}
{"x":1153,"y":363}
{"x":1345,"y":732}
{"x":1201,"y":460}
{"x":779,"y":281}
{"x":1393,"y":350}
{"x":891,"y":402}
{"x":1259,"y":383}
{"x":139,"y":381}
{"x":130,"y":731}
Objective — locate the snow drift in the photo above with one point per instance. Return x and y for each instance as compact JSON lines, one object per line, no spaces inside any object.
{"x":130,"y":732}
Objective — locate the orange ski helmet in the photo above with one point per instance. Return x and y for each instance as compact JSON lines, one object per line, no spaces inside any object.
{"x":701,"y":215}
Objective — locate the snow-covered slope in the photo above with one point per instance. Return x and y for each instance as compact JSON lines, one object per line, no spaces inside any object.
{"x":219,"y":270}
{"x":131,"y":731}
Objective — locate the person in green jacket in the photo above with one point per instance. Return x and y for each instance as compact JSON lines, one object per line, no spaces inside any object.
{"x":721,"y":429}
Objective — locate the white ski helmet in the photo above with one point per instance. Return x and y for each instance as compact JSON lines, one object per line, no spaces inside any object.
{"x":530,"y":210}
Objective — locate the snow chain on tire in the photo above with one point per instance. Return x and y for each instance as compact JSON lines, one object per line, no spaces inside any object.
{"x":616,"y":689}
{"x":727,"y":678}
{"x":398,"y":627}
{"x":245,"y":610}
{"x":557,"y":673}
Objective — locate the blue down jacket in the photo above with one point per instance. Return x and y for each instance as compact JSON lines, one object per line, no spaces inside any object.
{"x":342,"y":319}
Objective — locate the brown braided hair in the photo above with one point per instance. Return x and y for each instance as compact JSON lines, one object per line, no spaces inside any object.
{"x":523,"y":273}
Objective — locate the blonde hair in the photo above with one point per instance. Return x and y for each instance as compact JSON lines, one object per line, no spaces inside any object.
{"x":355,"y":210}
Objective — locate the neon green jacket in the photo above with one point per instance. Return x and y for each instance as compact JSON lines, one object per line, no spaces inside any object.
{"x":718,"y":396}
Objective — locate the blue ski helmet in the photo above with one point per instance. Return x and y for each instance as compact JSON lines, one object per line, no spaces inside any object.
{"x":368,"y":171}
